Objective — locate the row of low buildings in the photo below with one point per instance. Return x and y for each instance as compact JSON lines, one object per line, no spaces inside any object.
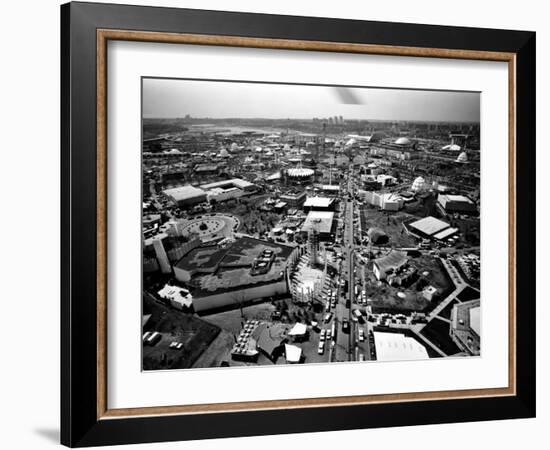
{"x":186,"y":196}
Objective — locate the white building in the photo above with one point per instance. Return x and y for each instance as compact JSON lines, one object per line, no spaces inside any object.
{"x":456,"y":203}
{"x":219,"y":194}
{"x":185,"y":195}
{"x":385,"y":180}
{"x":390,"y":263}
{"x":318,"y":204}
{"x":419,"y":185}
{"x":386,"y":201}
{"x":398,"y":347}
{"x":462,"y":158}
{"x":179,"y":298}
{"x":429,"y":293}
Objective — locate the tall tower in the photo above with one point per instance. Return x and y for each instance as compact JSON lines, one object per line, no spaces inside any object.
{"x":162,"y":257}
{"x":313,"y":238}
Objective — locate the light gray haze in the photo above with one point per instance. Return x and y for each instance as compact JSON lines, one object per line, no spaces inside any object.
{"x":169,"y":98}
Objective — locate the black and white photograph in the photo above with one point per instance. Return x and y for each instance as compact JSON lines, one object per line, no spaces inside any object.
{"x":299,"y":224}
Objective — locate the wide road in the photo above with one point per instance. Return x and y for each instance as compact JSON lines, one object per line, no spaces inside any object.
{"x":350,"y":245}
{"x":355,"y":347}
{"x":345,"y":342}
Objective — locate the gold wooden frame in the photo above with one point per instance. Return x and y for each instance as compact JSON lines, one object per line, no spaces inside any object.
{"x":103,"y":36}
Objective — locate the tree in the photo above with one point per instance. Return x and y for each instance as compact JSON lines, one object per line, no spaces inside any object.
{"x":239,"y":299}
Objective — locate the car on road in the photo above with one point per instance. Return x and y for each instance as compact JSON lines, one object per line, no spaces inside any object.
{"x":328,"y":334}
{"x":345,"y":326}
{"x":321,"y":348}
{"x":327,"y":317}
{"x":361,"y":335}
{"x":322,"y":335}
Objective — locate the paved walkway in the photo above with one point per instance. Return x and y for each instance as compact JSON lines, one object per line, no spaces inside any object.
{"x":427,"y":341}
{"x":459,"y":283}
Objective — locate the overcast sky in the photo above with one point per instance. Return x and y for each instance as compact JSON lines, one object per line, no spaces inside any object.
{"x":219,"y":99}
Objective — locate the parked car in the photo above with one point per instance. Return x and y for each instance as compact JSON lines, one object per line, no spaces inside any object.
{"x":321,"y":348}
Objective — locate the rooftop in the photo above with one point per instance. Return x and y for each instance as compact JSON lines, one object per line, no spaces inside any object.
{"x":465,"y":325}
{"x":445,"y":233}
{"x":475,"y":319}
{"x":234,"y":182}
{"x":300,"y":172}
{"x":398,"y":347}
{"x":293,"y":354}
{"x":454,"y":198}
{"x":184,"y":192}
{"x":394,"y":259}
{"x":293,"y":195}
{"x":318,"y":202}
{"x":319,"y":220}
{"x":229,"y":268}
{"x":429,"y":225}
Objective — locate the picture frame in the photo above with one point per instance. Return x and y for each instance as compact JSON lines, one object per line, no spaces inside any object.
{"x":86,"y":418}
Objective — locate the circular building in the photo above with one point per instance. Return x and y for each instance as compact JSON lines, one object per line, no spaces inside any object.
{"x":419,"y":185}
{"x":403,"y":141}
{"x":377,"y":236}
{"x":300,"y":174}
{"x":211,"y":226}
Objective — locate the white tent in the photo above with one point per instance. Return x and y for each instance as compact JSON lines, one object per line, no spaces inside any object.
{"x":293,"y":353}
{"x":299,"y":329}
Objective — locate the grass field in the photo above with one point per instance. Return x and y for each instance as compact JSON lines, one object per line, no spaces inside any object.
{"x":385,"y":298}
{"x":437,"y":331}
{"x":446,"y":312}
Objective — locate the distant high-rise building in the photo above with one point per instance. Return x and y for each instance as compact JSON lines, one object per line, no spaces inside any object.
{"x":341,"y":120}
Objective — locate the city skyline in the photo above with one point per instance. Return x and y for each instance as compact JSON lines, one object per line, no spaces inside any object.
{"x":175,"y":98}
